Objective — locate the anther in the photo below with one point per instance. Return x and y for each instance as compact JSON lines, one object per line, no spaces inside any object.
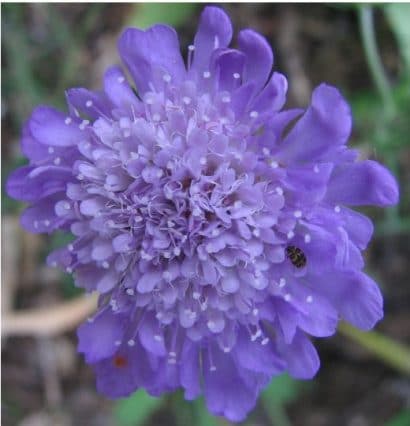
{"x":337,"y":209}
{"x":206,"y":74}
{"x":253,"y":114}
{"x":290,"y":235}
{"x":288,"y":297}
{"x":67,"y":121}
{"x":131,"y":342}
{"x":236,"y":75}
{"x":166,"y":78}
{"x":309,"y":299}
{"x":121,"y":79}
{"x":89,"y":103}
{"x":297,"y":214}
{"x":307,"y":238}
{"x":282,"y":282}
{"x":130,"y":291}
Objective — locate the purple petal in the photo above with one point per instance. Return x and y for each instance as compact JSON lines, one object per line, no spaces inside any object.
{"x":97,"y":339}
{"x":323,"y":128}
{"x":118,"y":90}
{"x":214,"y":31}
{"x":151,"y":53}
{"x":48,"y":126}
{"x":356,"y":296}
{"x":301,"y":357}
{"x":259,"y":57}
{"x":363,"y":183}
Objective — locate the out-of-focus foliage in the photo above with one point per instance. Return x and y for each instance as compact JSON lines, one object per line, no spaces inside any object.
{"x":399,"y":17}
{"x":136,"y":409}
{"x":147,"y":14}
{"x":402,"y":419}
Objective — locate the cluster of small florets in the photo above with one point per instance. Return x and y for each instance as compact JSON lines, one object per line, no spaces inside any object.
{"x":216,"y":242}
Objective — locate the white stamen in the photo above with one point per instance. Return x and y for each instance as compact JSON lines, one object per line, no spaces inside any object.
{"x":265,"y":151}
{"x":80,"y":176}
{"x":290,"y":235}
{"x":255,"y":312}
{"x":226,"y":349}
{"x":166,"y":78}
{"x":253,"y":114}
{"x":297,"y":213}
{"x":117,"y":343}
{"x":166,"y":254}
{"x":170,"y":224}
{"x":121,"y":79}
{"x":236,"y":75}
{"x":282,"y":282}
{"x":70,"y":247}
{"x":149,"y":101}
{"x":307,"y":238}
{"x":279,"y":190}
{"x":288,"y":297}
{"x":157,"y":337}
{"x":172,"y":361}
{"x":186,"y":100}
{"x":138,"y":219}
{"x":316,"y":168}
{"x":127,"y":133}
{"x":206,"y":74}
{"x":130,"y":291}
{"x":47,"y":223}
{"x":337,"y":209}
{"x":50,"y":150}
{"x":67,"y":206}
{"x":256,"y":232}
{"x":177,"y":251}
{"x":274,"y":164}
{"x":172,"y":354}
{"x":159,"y":173}
{"x":215,"y":232}
{"x":131,"y":342}
{"x":212,"y":368}
{"x":67,"y":121}
{"x":226,"y":99}
{"x":89,"y":103}
{"x":309,"y":299}
{"x":191,"y":47}
{"x":57,"y":161}
{"x":69,"y":269}
{"x":156,"y":117}
{"x":196,"y":295}
{"x":237,"y":204}
{"x":265,"y":341}
{"x":202,"y":161}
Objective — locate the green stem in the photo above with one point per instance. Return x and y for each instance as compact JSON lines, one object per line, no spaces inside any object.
{"x":373,"y":59}
{"x":394,"y":354}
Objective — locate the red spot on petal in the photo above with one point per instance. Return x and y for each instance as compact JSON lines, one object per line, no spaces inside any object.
{"x":119,"y":361}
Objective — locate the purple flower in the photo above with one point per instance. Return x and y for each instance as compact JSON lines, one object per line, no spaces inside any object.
{"x":218,"y":241}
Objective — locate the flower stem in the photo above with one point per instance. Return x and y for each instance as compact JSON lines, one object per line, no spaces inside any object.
{"x":394,"y":354}
{"x":373,"y":59}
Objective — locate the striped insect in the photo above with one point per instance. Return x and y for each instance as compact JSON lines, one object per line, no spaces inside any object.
{"x":296,"y":256}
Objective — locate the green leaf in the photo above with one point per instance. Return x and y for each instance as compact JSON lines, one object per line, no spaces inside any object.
{"x":201,"y":415}
{"x":147,"y":14}
{"x":398,"y":15}
{"x":401,"y":419}
{"x":136,"y":409}
{"x":282,"y":390}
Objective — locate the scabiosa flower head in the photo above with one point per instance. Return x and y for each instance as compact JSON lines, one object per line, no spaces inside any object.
{"x":218,"y":238}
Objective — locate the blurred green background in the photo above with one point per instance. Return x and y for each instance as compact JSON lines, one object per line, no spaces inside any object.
{"x":363,"y":50}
